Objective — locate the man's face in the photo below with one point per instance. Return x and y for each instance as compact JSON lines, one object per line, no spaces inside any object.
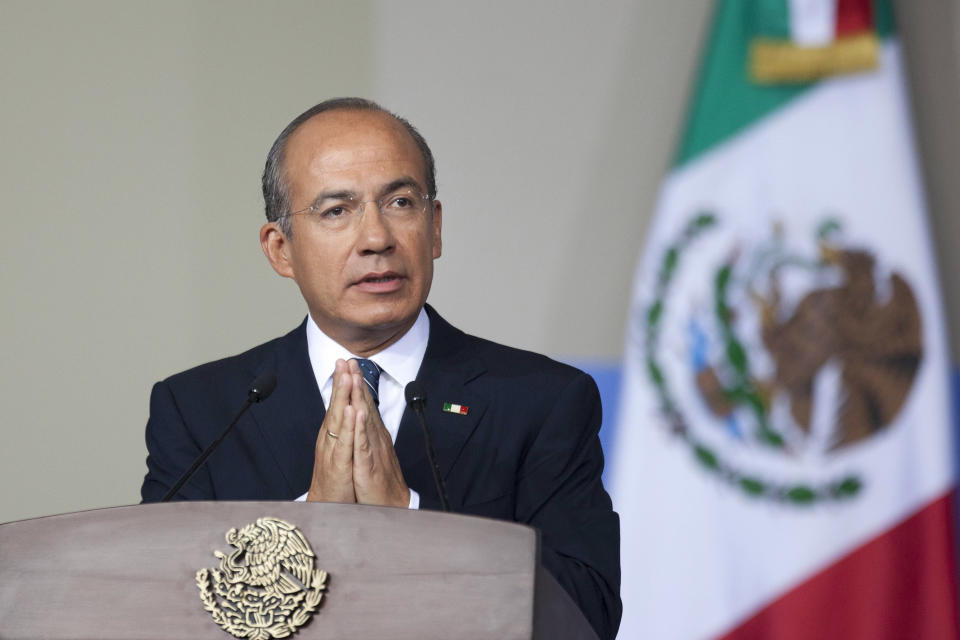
{"x":366,"y":281}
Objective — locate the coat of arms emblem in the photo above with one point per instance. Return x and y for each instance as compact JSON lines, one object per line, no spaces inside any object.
{"x":267,"y":587}
{"x":780,"y":353}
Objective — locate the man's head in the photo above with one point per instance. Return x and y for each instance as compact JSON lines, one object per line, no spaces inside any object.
{"x":366,"y":276}
{"x":276,"y":199}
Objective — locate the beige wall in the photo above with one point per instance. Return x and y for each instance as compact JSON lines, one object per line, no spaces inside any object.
{"x":931,"y":32}
{"x":133,"y":139}
{"x":554,"y":123}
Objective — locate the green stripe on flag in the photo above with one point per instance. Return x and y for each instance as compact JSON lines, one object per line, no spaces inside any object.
{"x":771,"y":18}
{"x":883,"y":16}
{"x":725,"y":100}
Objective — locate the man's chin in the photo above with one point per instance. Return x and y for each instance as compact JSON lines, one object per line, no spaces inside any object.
{"x":383,"y":319}
{"x":368,"y":322}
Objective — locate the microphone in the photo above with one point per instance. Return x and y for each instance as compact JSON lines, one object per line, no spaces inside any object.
{"x":416,"y":397}
{"x":260,"y":389}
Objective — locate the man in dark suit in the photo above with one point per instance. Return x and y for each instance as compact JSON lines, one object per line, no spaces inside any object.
{"x":353,"y":220}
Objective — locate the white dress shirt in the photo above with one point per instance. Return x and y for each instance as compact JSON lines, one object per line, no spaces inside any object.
{"x":399,"y":364}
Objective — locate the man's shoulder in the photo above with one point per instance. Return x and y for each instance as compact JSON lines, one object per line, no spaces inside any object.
{"x":242,"y":366}
{"x":501,"y":357}
{"x":500,"y":360}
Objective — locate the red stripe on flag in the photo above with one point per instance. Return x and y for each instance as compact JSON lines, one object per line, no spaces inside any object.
{"x":854,"y":16}
{"x":900,"y":585}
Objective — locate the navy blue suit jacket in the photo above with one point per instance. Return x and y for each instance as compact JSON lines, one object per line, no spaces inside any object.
{"x":526,"y":451}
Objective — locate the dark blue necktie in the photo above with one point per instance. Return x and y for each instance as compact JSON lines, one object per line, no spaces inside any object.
{"x":371,"y":375}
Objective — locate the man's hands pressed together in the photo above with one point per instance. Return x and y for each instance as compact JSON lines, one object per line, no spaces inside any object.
{"x":354,"y":459}
{"x":333,"y":453}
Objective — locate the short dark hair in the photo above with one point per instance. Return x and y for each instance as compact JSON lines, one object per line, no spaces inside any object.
{"x":276,"y":196}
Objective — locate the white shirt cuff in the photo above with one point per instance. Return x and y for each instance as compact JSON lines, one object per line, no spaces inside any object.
{"x":414,"y":499}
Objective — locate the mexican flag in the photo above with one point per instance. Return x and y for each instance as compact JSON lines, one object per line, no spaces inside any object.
{"x":783,"y":467}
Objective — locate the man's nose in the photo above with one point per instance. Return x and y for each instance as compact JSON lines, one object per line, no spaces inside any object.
{"x":376,"y":235}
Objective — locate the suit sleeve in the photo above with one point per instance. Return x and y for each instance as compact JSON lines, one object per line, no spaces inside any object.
{"x":559,"y":491}
{"x":171,"y":449}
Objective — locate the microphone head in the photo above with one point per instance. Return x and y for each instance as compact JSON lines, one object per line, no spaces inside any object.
{"x":415,"y":393}
{"x":262,"y":386}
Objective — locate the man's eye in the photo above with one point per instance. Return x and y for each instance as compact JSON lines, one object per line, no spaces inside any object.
{"x":334,"y":212}
{"x":402,"y":202}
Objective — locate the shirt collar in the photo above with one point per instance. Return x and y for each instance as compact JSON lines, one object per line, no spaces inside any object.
{"x":401,"y":360}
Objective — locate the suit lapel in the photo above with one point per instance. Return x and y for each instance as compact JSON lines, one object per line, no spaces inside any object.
{"x":448,"y":368}
{"x":290,"y":419}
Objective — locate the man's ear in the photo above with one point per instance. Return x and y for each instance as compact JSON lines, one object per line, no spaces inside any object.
{"x":437,"y":222}
{"x":276,"y":246}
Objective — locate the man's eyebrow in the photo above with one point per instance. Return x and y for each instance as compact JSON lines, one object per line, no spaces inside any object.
{"x":346,"y":194}
{"x":400,"y":183}
{"x":341,"y":194}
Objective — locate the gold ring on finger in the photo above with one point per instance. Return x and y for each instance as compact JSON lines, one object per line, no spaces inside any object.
{"x":332,"y":435}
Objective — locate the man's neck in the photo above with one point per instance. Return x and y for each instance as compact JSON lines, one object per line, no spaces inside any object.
{"x":367,"y":341}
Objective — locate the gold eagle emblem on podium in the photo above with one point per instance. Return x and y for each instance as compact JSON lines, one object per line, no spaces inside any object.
{"x":267,"y":587}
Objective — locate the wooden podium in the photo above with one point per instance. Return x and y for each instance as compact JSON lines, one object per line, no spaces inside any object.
{"x":130,"y":573}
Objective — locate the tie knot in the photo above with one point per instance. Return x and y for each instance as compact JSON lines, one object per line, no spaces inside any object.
{"x":371,"y":375}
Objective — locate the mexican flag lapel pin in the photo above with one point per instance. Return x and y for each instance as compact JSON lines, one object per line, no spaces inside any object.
{"x":450,"y":407}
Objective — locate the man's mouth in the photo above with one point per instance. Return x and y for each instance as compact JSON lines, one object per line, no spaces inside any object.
{"x":383,"y":282}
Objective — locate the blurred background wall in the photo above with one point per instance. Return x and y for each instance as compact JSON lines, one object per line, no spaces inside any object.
{"x":134,"y":135}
